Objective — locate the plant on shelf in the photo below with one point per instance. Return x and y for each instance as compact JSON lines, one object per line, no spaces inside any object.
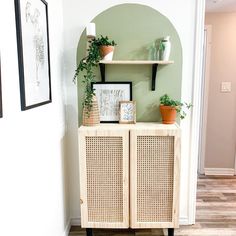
{"x":106,"y":47}
{"x":169,"y":108}
{"x":164,"y":48}
{"x":87,"y":65}
{"x":161,"y":47}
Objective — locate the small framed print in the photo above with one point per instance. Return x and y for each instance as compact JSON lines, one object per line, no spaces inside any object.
{"x":109,"y":94}
{"x":127,"y":112}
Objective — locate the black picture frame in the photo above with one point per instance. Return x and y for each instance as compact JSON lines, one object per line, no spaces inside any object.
{"x":109,"y":113}
{"x":33,"y":53}
{"x":1,"y":113}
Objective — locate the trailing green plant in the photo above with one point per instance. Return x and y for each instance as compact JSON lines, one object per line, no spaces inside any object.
{"x":161,"y":47}
{"x":165,"y":100}
{"x":104,"y":41}
{"x":87,"y":64}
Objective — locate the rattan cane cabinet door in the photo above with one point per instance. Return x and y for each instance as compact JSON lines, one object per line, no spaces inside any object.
{"x":154,"y":178}
{"x":104,"y":171}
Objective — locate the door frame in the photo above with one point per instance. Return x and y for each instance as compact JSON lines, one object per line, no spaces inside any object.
{"x":196,"y":100}
{"x":235,"y":160}
{"x":205,"y":92}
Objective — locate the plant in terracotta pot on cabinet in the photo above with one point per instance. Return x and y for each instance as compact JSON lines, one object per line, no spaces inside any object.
{"x":87,"y":64}
{"x":169,"y":109}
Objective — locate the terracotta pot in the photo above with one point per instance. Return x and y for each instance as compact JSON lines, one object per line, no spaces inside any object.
{"x":106,"y":52}
{"x":168,"y":114}
{"x":92,"y":117}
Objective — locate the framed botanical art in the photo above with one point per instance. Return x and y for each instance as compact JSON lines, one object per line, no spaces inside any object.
{"x":109,"y":94}
{"x":33,"y":52}
{"x":0,"y":91}
{"x":127,"y":112}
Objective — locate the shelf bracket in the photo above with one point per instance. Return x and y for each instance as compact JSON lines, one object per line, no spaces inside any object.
{"x":103,"y":71}
{"x":154,"y":73}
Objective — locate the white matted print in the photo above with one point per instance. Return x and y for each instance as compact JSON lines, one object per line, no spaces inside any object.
{"x":33,"y":52}
{"x":109,"y":94}
{"x":127,"y":112}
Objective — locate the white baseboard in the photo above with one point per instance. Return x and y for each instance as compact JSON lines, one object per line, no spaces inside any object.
{"x":235,"y":164}
{"x":75,"y":221}
{"x":184,"y":221}
{"x":67,"y":229}
{"x":219,"y":171}
{"x":165,"y":232}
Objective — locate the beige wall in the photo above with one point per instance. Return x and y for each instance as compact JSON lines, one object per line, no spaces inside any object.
{"x":221,"y":121}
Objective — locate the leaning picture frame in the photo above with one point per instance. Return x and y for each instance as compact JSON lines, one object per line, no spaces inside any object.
{"x":109,"y":94}
{"x":127,"y":112}
{"x":33,"y":52}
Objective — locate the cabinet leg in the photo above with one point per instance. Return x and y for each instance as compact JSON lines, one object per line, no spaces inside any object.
{"x":170,"y":232}
{"x":89,"y":232}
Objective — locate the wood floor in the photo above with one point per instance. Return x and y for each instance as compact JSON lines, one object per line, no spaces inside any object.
{"x":215,"y":215}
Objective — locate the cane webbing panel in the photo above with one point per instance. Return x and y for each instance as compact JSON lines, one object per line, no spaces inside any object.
{"x":155,"y":177}
{"x":104,"y":163}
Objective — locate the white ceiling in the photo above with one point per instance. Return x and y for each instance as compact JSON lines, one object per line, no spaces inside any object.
{"x":220,"y":5}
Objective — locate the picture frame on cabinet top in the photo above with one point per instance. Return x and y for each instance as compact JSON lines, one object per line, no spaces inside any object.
{"x":109,"y":94}
{"x":127,"y":112}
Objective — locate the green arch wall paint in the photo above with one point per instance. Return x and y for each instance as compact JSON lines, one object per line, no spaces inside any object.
{"x":134,"y":28}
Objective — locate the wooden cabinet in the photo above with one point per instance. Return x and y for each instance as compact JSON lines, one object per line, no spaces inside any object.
{"x":104,"y":177}
{"x":154,"y":178}
{"x":129,"y":175}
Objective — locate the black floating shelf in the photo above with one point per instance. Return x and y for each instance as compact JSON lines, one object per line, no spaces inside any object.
{"x":103,"y":63}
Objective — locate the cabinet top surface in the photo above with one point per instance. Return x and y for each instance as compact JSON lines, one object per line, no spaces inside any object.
{"x":138,"y":125}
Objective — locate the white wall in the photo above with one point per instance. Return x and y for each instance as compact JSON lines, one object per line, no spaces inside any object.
{"x":221,"y":114}
{"x":76,"y":15}
{"x":33,"y":197}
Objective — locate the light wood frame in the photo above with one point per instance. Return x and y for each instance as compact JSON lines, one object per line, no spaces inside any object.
{"x":83,"y":133}
{"x":122,"y":121}
{"x":133,"y":177}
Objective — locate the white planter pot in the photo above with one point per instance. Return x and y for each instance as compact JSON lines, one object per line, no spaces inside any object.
{"x":166,"y":53}
{"x":108,"y":57}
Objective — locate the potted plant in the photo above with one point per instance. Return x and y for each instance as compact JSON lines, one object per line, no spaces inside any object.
{"x":87,"y":64}
{"x":169,"y":108}
{"x":106,"y":47}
